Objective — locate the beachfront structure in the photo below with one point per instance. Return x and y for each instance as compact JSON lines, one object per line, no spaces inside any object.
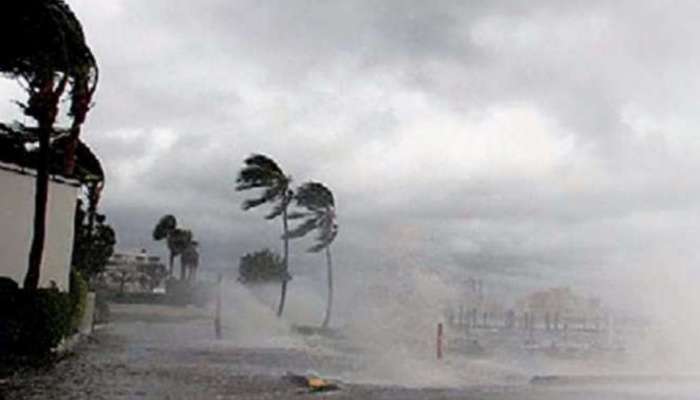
{"x":133,"y":271}
{"x":16,"y":220}
{"x":562,"y":305}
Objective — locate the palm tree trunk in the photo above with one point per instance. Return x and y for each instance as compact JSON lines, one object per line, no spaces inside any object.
{"x":283,"y":295}
{"x":41,"y":194}
{"x":43,"y":106}
{"x":171,"y":264}
{"x":329,"y":303}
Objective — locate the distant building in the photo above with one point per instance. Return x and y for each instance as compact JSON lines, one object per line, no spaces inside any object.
{"x":133,"y":271}
{"x":131,"y":260}
{"x":561,"y":303}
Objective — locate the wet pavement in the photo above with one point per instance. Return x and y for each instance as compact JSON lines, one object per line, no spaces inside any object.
{"x":161,"y":352}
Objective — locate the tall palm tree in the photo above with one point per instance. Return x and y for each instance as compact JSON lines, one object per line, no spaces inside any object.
{"x":261,"y":172}
{"x":177,"y":240}
{"x":44,"y":48}
{"x":319,"y":215}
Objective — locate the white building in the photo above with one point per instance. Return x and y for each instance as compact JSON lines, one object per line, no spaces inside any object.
{"x":125,"y":260}
{"x":133,"y":271}
{"x":17,"y":218}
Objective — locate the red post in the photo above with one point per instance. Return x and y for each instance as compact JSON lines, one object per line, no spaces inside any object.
{"x":439,"y":341}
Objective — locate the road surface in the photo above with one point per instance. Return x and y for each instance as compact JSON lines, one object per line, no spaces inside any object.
{"x":162,"y":352}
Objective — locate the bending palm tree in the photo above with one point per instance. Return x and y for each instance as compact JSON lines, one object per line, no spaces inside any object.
{"x":44,"y":48}
{"x":177,"y":240}
{"x":318,"y":201}
{"x":261,"y":172}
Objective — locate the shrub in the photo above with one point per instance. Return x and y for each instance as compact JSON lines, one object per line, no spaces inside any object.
{"x":261,"y":267}
{"x":33,"y":322}
{"x":45,"y":317}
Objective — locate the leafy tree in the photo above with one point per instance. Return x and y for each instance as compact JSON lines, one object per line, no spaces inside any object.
{"x":178,"y":240}
{"x":319,"y":215}
{"x":189,"y":260}
{"x":262,"y":266}
{"x":44,"y":49}
{"x":261,"y":172}
{"x":93,"y":243}
{"x":124,"y":276}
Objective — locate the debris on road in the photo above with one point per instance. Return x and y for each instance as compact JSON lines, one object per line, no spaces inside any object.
{"x":313,"y":382}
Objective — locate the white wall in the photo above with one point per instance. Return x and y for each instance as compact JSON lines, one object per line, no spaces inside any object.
{"x":16,"y":222}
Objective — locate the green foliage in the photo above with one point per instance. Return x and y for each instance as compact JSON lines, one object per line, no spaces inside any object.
{"x":51,"y":57}
{"x":47,"y":316}
{"x":179,"y":240}
{"x":91,"y":250}
{"x":34,"y":321}
{"x":78,"y":298}
{"x":261,"y":267}
{"x":165,"y":225}
{"x":319,"y":214}
{"x":262,"y":172}
{"x":54,"y":39}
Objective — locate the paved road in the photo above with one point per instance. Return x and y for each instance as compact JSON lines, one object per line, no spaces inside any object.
{"x":160,"y":352}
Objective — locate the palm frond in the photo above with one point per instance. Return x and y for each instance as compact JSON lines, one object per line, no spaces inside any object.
{"x":282,"y":205}
{"x":302,"y":229}
{"x":326,"y":236}
{"x":165,"y":225}
{"x":252,"y":203}
{"x":298,"y":215}
{"x":261,"y":172}
{"x":263,"y":162}
{"x":179,"y":240}
{"x":314,"y":196}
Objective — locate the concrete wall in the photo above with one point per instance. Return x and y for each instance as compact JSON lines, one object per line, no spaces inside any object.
{"x":16,"y":222}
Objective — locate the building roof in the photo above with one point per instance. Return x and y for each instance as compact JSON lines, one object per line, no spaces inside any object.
{"x":18,"y":148}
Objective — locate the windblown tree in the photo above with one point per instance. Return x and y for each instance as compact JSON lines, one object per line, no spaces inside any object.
{"x":93,"y":243}
{"x":319,"y":215}
{"x":262,"y":266}
{"x":178,"y":240}
{"x":189,"y":260}
{"x":94,"y":239}
{"x":43,"y":47}
{"x":261,"y":172}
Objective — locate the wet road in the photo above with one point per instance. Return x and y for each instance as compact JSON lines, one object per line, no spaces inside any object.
{"x":160,"y":352}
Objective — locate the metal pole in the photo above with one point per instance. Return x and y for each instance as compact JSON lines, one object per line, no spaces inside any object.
{"x":217,"y":317}
{"x":439,"y":341}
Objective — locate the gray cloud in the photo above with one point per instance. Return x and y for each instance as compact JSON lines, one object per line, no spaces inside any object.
{"x":537,"y":143}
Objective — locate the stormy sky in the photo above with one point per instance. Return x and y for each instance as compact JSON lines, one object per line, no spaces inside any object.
{"x":532,"y":143}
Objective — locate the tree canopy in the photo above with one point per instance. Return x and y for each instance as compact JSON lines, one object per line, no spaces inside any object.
{"x":92,"y":249}
{"x":262,"y":266}
{"x":319,"y":214}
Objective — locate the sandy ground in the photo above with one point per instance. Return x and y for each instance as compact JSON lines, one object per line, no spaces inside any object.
{"x":161,"y":352}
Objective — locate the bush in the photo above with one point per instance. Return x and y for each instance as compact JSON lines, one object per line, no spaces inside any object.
{"x":33,"y":322}
{"x":45,"y":317}
{"x":78,"y":298}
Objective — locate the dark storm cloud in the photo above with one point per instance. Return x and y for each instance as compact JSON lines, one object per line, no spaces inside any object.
{"x":542,"y":140}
